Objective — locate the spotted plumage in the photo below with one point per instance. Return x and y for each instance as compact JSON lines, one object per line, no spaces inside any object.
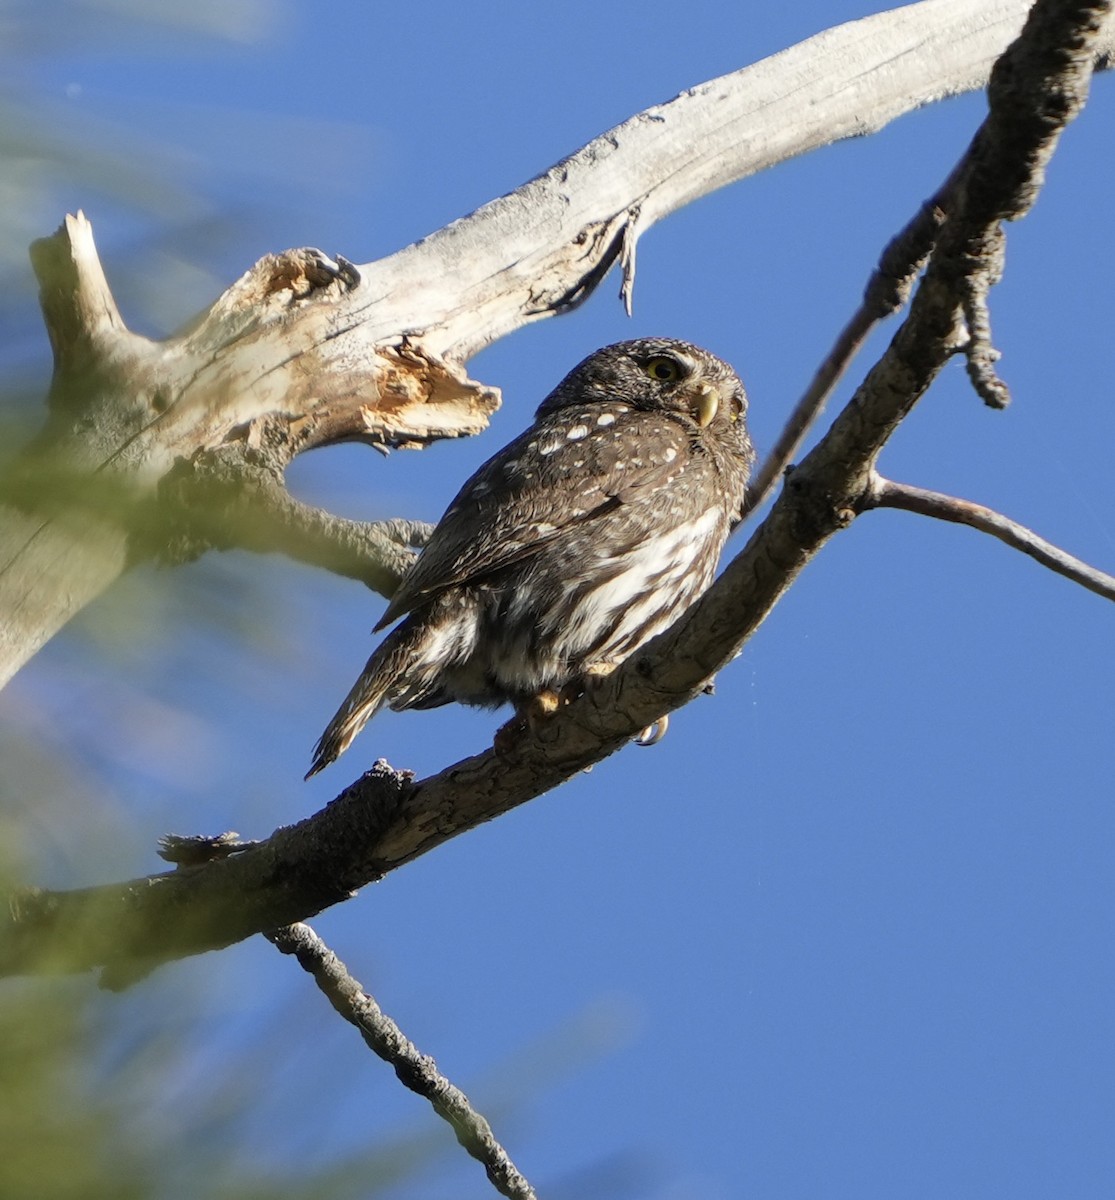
{"x":587,"y":535}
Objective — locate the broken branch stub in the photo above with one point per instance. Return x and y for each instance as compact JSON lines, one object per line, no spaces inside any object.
{"x":287,"y":355}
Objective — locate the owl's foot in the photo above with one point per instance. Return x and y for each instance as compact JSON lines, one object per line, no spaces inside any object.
{"x":544,"y":705}
{"x":528,"y":716}
{"x":595,"y":674}
{"x":654,"y":732}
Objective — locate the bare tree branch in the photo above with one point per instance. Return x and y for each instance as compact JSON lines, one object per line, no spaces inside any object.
{"x":270,"y":370}
{"x":373,"y":353}
{"x":385,"y":819}
{"x":415,"y":1070}
{"x":885,"y":493}
{"x":887,"y":290}
{"x":232,"y":498}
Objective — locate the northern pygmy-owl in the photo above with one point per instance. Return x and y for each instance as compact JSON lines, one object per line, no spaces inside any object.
{"x":587,"y":535}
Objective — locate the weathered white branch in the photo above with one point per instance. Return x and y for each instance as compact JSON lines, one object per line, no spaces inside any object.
{"x":304,"y":350}
{"x":540,"y":248}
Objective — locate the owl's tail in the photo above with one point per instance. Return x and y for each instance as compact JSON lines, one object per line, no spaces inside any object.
{"x":381,"y":674}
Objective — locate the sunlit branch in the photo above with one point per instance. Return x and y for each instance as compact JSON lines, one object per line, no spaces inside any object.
{"x":885,"y":493}
{"x":886,"y":292}
{"x":333,"y":351}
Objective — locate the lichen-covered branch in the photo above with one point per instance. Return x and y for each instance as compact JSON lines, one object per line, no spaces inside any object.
{"x":415,"y":1070}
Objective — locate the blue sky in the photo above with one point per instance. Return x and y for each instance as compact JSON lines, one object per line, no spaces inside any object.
{"x":846,"y":932}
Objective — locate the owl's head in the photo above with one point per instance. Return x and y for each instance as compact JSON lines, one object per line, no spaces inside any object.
{"x":661,"y":374}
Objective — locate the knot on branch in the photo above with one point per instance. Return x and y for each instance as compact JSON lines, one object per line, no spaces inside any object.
{"x":272,"y":286}
{"x":598,"y":246}
{"x":194,"y":849}
{"x":824,"y":501}
{"x":302,"y":272}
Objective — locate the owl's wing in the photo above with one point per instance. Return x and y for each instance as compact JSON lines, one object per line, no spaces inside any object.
{"x":560,"y":474}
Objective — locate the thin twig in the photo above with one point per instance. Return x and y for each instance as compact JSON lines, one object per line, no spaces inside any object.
{"x":885,"y":493}
{"x":808,"y":409}
{"x":417,"y":1071}
{"x":886,"y":291}
{"x":977,"y":182}
{"x":980,"y":351}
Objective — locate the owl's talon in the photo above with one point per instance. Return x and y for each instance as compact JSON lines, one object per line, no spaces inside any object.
{"x":542,"y":706}
{"x":654,"y":732}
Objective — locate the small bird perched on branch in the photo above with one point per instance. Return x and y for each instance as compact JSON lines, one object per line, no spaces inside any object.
{"x":586,"y":536}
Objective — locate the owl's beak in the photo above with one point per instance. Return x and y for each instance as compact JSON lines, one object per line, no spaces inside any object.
{"x":706,"y":403}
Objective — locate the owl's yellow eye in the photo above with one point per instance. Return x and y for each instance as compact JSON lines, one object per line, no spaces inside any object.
{"x":663,"y":368}
{"x":736,"y":409}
